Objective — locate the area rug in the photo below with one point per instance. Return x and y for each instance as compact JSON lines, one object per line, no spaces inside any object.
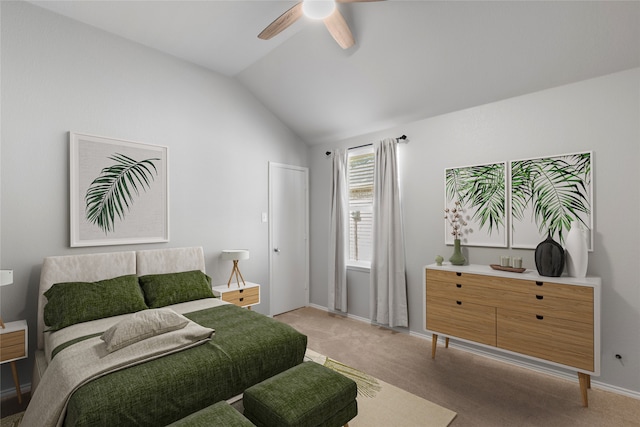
{"x":382,"y":404}
{"x":12,"y":420}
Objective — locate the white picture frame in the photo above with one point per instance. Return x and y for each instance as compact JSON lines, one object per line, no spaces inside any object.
{"x":119,"y":192}
{"x":482,"y":193}
{"x":570,"y":178}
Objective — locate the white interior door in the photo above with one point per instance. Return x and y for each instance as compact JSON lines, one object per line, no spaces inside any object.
{"x":288,"y":231}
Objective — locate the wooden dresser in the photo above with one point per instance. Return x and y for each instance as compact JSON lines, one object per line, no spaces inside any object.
{"x":555,"y":320}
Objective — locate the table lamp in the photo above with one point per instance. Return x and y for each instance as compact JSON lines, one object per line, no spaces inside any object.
{"x":235,"y":255}
{"x":6,"y":278}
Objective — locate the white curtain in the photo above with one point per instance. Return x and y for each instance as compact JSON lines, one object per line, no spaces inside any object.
{"x":339,"y":233}
{"x":388,"y":297}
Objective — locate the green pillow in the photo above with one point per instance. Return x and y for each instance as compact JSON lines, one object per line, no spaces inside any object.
{"x":75,"y":302}
{"x":172,"y":288}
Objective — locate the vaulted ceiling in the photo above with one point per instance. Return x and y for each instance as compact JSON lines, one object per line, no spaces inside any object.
{"x":411,"y":60}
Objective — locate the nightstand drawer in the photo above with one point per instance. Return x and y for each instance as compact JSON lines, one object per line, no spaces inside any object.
{"x":11,"y":339}
{"x":12,"y":352}
{"x":12,"y":345}
{"x":243,"y":296}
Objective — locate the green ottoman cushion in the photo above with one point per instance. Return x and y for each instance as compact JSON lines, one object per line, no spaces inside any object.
{"x":219,"y":414}
{"x":307,"y":395}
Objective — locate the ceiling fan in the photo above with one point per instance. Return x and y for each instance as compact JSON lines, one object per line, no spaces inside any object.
{"x":316,"y":9}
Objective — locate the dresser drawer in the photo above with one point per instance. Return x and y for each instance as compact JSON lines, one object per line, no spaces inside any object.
{"x":243,"y":296}
{"x":462,"y":319}
{"x":472,"y":293}
{"x":547,"y":305}
{"x":558,"y":340}
{"x":531,"y":287}
{"x":12,"y":345}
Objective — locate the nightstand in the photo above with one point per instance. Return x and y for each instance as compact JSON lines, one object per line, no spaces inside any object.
{"x":13,"y":346}
{"x":244,"y":296}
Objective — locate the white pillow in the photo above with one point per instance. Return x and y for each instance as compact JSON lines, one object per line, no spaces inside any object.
{"x":142,"y":325}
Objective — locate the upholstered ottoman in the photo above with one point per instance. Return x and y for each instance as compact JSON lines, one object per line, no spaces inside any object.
{"x":307,"y":395}
{"x":218,"y":414}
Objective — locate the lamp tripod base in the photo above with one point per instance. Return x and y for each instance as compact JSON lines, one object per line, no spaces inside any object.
{"x":236,"y":271}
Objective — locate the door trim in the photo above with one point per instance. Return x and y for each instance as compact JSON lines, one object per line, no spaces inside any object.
{"x":305,"y":170}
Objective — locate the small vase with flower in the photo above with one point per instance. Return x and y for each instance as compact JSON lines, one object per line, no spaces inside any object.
{"x":456,"y":222}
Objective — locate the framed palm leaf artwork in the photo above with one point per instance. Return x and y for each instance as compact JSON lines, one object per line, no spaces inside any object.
{"x":479,"y":195}
{"x":547,"y":194}
{"x":118,"y":191}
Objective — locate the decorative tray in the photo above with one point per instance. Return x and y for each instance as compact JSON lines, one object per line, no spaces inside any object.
{"x":511,"y":269}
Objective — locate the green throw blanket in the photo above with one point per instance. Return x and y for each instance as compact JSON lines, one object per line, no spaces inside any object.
{"x":246,"y":349}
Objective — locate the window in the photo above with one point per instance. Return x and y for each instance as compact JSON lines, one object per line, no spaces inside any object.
{"x":360,"y":181}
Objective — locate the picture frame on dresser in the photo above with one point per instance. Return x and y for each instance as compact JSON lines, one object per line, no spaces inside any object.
{"x":481,"y":191}
{"x":546,"y":194}
{"x":119,"y":191}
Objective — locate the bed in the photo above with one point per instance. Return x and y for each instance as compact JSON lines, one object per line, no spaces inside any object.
{"x":243,"y":348}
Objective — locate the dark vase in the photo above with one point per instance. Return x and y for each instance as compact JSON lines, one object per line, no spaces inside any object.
{"x":549,"y":258}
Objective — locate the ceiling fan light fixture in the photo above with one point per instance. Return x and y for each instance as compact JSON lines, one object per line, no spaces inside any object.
{"x":318,"y":9}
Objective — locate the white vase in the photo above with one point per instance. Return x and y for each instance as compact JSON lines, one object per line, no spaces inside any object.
{"x":576,"y":251}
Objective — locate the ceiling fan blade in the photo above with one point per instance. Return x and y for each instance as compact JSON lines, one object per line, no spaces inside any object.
{"x":339,"y":29}
{"x":282,"y":22}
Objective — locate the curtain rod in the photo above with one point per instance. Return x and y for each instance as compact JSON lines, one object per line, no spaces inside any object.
{"x":398,"y":139}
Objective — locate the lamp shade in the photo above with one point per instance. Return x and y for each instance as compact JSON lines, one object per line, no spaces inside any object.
{"x":234,"y":254}
{"x":6,"y":277}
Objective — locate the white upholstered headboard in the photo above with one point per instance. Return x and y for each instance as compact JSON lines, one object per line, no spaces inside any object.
{"x":161,"y":261}
{"x":94,"y":267}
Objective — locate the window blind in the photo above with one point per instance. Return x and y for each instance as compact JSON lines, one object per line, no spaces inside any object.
{"x":360,"y":182}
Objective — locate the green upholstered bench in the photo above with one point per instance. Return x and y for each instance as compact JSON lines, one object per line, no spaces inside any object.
{"x":218,"y":414}
{"x":307,"y":395}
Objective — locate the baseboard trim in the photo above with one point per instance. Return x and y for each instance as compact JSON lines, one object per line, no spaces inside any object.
{"x":501,"y":358}
{"x":11,"y":392}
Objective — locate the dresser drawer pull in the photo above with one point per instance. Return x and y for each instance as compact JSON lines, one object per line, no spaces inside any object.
{"x":458,"y":274}
{"x":539,"y":317}
{"x":241,"y":291}
{"x":539,"y":296}
{"x":539,"y":283}
{"x":459,"y":302}
{"x":458,"y":285}
{"x":241,"y":299}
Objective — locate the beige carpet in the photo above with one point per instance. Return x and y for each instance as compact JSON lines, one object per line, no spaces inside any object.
{"x":482,"y":391}
{"x":382,"y":404}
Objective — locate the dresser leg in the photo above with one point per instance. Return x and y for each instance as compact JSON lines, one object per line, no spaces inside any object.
{"x":585,"y":383}
{"x":446,"y":342}
{"x":16,"y":381}
{"x":434,"y":344}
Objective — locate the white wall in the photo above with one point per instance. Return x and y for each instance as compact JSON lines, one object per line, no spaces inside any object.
{"x":601,"y":114}
{"x":58,"y":76}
